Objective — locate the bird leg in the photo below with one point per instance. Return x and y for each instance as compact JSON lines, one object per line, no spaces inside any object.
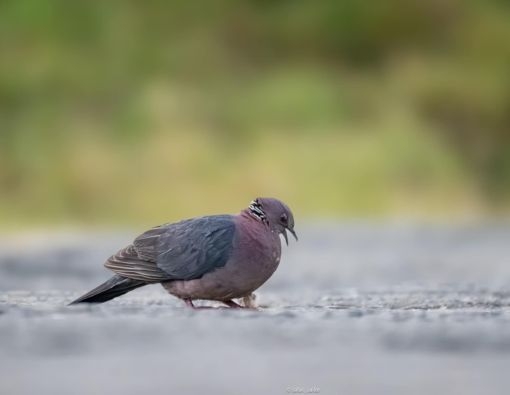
{"x":232,"y":304}
{"x":249,"y":301}
{"x":189,"y":303}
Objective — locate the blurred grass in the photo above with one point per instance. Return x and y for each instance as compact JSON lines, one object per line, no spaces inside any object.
{"x":139,"y":112}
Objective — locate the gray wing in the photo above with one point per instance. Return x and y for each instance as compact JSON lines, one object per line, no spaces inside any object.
{"x":182,"y":251}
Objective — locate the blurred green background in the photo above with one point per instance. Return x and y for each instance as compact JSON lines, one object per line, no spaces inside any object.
{"x":129,"y":112}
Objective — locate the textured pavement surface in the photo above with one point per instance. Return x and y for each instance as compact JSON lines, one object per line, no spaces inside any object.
{"x":354,"y":308}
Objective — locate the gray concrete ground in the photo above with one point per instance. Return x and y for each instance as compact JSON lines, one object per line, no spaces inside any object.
{"x":358,"y":308}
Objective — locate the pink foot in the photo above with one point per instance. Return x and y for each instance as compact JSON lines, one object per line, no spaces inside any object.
{"x":189,"y":303}
{"x":233,"y":305}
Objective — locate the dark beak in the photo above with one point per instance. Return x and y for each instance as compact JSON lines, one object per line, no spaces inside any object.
{"x":284,"y":233}
{"x":293,"y":234}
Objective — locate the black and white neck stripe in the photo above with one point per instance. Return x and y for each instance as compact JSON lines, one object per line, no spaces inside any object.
{"x":256,"y":210}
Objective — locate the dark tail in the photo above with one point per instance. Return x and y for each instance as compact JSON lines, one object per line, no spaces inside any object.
{"x":115,"y":286}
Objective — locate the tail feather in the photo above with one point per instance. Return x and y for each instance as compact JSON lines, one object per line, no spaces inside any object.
{"x":115,"y":286}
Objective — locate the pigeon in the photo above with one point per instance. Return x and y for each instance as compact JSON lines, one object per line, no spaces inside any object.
{"x":217,"y":257}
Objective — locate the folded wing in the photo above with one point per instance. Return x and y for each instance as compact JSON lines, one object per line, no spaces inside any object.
{"x":182,"y":251}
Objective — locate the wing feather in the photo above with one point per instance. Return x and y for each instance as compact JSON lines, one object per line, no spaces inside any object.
{"x":180,"y":251}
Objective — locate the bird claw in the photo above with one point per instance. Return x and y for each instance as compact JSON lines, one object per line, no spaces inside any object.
{"x":248,"y":302}
{"x":233,"y":305}
{"x":189,"y":303}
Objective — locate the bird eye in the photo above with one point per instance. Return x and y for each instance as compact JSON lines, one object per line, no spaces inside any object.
{"x":283,"y":218}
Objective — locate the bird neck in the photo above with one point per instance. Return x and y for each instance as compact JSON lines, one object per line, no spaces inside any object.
{"x":254,"y":212}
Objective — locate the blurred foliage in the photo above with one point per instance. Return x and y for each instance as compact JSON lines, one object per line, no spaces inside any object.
{"x":126,"y":111}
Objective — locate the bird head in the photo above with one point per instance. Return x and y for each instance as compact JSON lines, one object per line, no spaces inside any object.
{"x":276,"y":213}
